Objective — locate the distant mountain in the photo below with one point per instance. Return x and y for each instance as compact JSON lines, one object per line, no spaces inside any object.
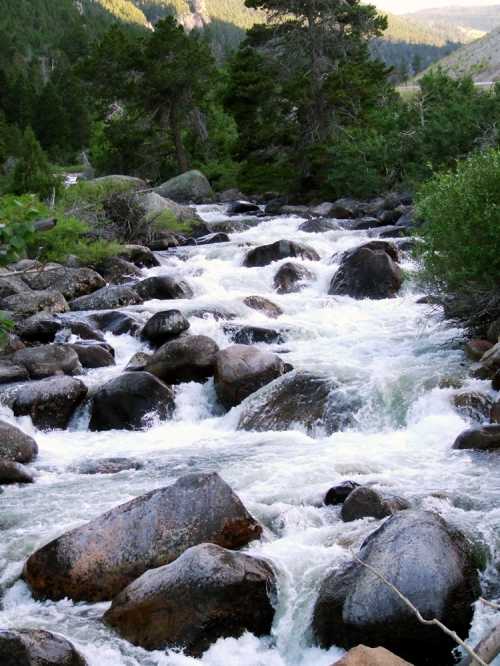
{"x":479,"y":20}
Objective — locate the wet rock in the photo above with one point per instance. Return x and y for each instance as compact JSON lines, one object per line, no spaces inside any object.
{"x":493,"y":334}
{"x":320,"y":226}
{"x":139,"y":255}
{"x":241,"y":370}
{"x":263,"y":305}
{"x":10,"y":372}
{"x":291,"y":278}
{"x":11,"y":344}
{"x":126,"y":402}
{"x":495,"y":412}
{"x":117,"y":270}
{"x":13,"y":472}
{"x":390,"y":216}
{"x":40,"y":327}
{"x":155,"y":205}
{"x":163,"y":288}
{"x":249,"y":335}
{"x":49,"y":402}
{"x":430,"y":563}
{"x":107,"y":298}
{"x":266,"y":254}
{"x":35,"y":647}
{"x":324,"y":209}
{"x":230,"y":195}
{"x":495,"y":382}
{"x":243,"y":208}
{"x":117,"y":323}
{"x":187,"y":359}
{"x":300,"y":399}
{"x":93,"y":355}
{"x":366,"y":272}
{"x":365,"y":656}
{"x":16,"y":445}
{"x":485,"y":438}
{"x":210,"y":239}
{"x":164,"y":326}
{"x":138,"y":361}
{"x":229,"y":227}
{"x":345,"y":208}
{"x":365,"y":502}
{"x":191,"y":186}
{"x":473,"y":405}
{"x":107,"y":466}
{"x":206,"y":594}
{"x":71,"y":282}
{"x":83,"y":330}
{"x":48,"y":360}
{"x":476,"y":349}
{"x":98,"y":560}
{"x":10,"y":285}
{"x":218,"y":313}
{"x":491,"y":359}
{"x":30,"y":302}
{"x":365,"y":223}
{"x":338,"y":494}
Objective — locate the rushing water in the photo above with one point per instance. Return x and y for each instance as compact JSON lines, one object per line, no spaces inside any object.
{"x":401,"y":359}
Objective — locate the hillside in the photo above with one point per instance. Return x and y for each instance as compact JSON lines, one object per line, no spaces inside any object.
{"x":478,"y":19}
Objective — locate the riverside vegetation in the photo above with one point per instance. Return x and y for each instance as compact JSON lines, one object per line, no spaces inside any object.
{"x":211,"y":400}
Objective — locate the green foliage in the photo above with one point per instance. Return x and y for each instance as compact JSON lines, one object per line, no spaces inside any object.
{"x":17,"y":215}
{"x":462,"y":213}
{"x":167,"y":221}
{"x":33,"y":173}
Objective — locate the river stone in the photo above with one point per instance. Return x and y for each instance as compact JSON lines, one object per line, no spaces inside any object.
{"x":365,"y":656}
{"x":365,"y":502}
{"x":138,"y":361}
{"x":303,"y":400}
{"x":365,"y":272}
{"x":30,"y":302}
{"x":493,"y":333}
{"x":249,"y":335}
{"x":117,"y":323}
{"x":211,"y":239}
{"x":35,"y":647}
{"x":208,"y":593}
{"x":430,"y":563}
{"x":345,"y":208}
{"x":266,"y":254}
{"x":127,"y":401}
{"x":154,"y":205}
{"x":15,"y":444}
{"x":163,"y":287}
{"x":188,"y":359}
{"x":263,"y":305}
{"x":40,"y":327}
{"x":338,"y":494}
{"x":164,"y":326}
{"x":107,"y":466}
{"x":139,"y":255}
{"x":93,"y":355}
{"x":241,"y":370}
{"x":291,"y":278}
{"x":495,"y":382}
{"x":10,"y":285}
{"x":320,"y":226}
{"x":83,"y":330}
{"x":117,"y":270}
{"x":107,"y":298}
{"x":13,"y":472}
{"x":48,"y":360}
{"x":49,"y":402}
{"x":495,"y":412}
{"x":229,"y":227}
{"x":10,"y":372}
{"x":485,"y":438}
{"x":476,"y":349}
{"x":243,"y":208}
{"x":71,"y":282}
{"x":473,"y":405}
{"x":188,"y":187}
{"x":98,"y":560}
{"x":491,"y":359}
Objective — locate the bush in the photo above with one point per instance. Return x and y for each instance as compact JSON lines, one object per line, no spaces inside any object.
{"x":461,"y":209}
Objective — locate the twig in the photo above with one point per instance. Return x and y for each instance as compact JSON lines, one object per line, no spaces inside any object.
{"x":491,"y":604}
{"x":41,"y":269}
{"x":475,"y":657}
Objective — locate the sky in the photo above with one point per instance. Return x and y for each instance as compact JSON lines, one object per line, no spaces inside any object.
{"x":404,"y":6}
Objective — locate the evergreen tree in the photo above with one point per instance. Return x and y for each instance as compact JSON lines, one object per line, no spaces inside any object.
{"x":32,"y":173}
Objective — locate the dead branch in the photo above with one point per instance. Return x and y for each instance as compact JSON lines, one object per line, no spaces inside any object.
{"x":491,"y":604}
{"x":488,"y":648}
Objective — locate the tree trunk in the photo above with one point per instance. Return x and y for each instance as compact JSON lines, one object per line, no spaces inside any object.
{"x":180,"y":150}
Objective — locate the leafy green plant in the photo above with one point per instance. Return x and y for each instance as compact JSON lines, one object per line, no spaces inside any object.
{"x":167,"y":221}
{"x":17,"y":215}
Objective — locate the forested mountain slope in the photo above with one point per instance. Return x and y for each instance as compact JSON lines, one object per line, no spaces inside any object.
{"x":479,"y":19}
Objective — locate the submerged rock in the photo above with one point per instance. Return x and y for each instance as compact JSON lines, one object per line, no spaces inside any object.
{"x":206,"y":594}
{"x":338,"y":494}
{"x":35,"y":647}
{"x":364,"y":502}
{"x":485,"y":438}
{"x":263,"y":305}
{"x":107,"y":466}
{"x":266,"y":254}
{"x":249,"y":335}
{"x":430,"y":563}
{"x":291,"y":278}
{"x":15,"y":444}
{"x":98,"y":560}
{"x":188,"y":359}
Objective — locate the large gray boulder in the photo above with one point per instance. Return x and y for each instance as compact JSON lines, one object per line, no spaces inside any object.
{"x":164,"y":326}
{"x":117,"y":270}
{"x":300,"y":399}
{"x":10,"y":284}
{"x":188,"y":187}
{"x":11,"y":372}
{"x":241,"y":370}
{"x":94,"y":354}
{"x":484,"y":438}
{"x":15,"y":444}
{"x":41,"y":328}
{"x":98,"y":560}
{"x":48,"y":360}
{"x":208,"y":593}
{"x":117,"y":323}
{"x":187,"y":359}
{"x":36,"y":647}
{"x":71,"y":282}
{"x":163,"y":287}
{"x":29,"y":302}
{"x":154,"y":205}
{"x":430,"y":562}
{"x":115,"y":182}
{"x":126,"y":402}
{"x":107,"y":298}
{"x":266,"y":254}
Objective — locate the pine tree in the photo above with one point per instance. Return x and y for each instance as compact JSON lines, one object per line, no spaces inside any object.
{"x":32,"y":173}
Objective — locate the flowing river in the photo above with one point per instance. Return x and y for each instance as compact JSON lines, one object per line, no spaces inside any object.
{"x":400,"y":359}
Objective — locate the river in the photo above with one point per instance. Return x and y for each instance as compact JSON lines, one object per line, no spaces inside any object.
{"x":400,"y":358}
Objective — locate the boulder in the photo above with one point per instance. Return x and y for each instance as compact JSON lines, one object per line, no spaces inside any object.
{"x":485,"y":438}
{"x":191,"y":186}
{"x":49,"y":402}
{"x":98,"y":560}
{"x":48,"y":360}
{"x":476,"y":349}
{"x":164,"y":326}
{"x":154,"y":205}
{"x":139,"y":255}
{"x":188,"y":359}
{"x":365,"y":656}
{"x":266,"y":254}
{"x":30,"y":302}
{"x":16,"y":445}
{"x":138,"y":361}
{"x":241,"y":370}
{"x":495,"y":412}
{"x":390,"y":216}
{"x":71,"y":282}
{"x":364,"y":502}
{"x":208,"y":593}
{"x":495,"y":382}
{"x":117,"y":323}
{"x":210,"y":239}
{"x":107,"y":298}
{"x":338,"y":494}
{"x":10,"y":372}
{"x":107,"y":466}
{"x":303,"y":400}
{"x":115,"y":181}
{"x":83,"y":330}
{"x":93,"y":355}
{"x":493,"y":334}
{"x":41,"y":328}
{"x":163,"y":287}
{"x":230,"y":195}
{"x":365,"y":223}
{"x":366,"y":272}
{"x":323,"y":210}
{"x":491,"y":359}
{"x":249,"y":335}
{"x":263,"y":305}
{"x":345,"y":209}
{"x":35,"y":647}
{"x":126,"y":402}
{"x":117,"y":270}
{"x":229,"y":227}
{"x":10,"y":285}
{"x":430,"y":562}
{"x":243,"y":208}
{"x":291,"y":278}
{"x":473,"y":405}
{"x":319,"y":226}
{"x":13,"y":472}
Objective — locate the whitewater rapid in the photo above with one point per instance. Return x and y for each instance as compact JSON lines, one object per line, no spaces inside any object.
{"x":400,"y":358}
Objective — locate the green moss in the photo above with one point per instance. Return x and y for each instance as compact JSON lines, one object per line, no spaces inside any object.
{"x":88,"y":192}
